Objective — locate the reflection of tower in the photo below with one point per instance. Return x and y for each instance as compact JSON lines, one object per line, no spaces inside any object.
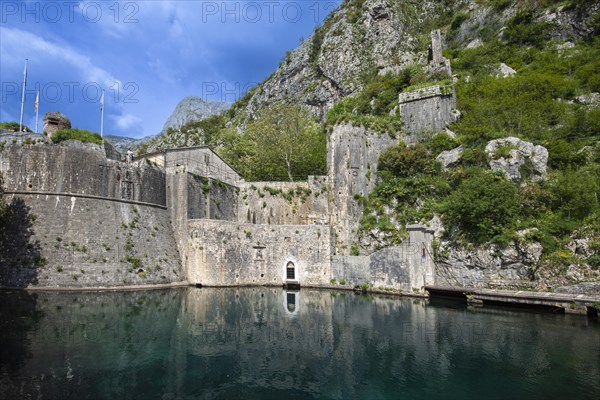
{"x":291,"y":301}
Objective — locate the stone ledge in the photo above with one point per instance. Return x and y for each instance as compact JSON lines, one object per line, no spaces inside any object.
{"x":99,"y":288}
{"x":85,"y":196}
{"x":424,"y":93}
{"x":517,"y":296}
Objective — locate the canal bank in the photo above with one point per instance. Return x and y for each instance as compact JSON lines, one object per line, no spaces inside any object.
{"x":557,"y":302}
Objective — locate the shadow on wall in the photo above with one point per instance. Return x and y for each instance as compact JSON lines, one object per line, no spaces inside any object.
{"x":20,"y":255}
{"x":19,"y":316}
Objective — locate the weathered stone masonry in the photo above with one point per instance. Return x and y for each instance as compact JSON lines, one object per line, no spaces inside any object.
{"x":187,"y":215}
{"x":94,"y":221}
{"x":273,"y":226}
{"x":100,"y":222}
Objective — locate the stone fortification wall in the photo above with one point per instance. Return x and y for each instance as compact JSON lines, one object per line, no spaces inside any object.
{"x":79,"y":242}
{"x":427,"y":109}
{"x":407,"y":268}
{"x":78,"y":168}
{"x":225,"y":253}
{"x":202,"y":161}
{"x":283,"y":203}
{"x":353,"y":154}
{"x":67,"y":226}
{"x":211,"y":199}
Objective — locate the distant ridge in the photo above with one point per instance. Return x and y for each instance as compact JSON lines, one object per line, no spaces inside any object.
{"x":190,"y":109}
{"x":193,"y":109}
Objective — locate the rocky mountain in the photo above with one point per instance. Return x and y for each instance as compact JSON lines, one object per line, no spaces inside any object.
{"x":519,"y":70}
{"x":190,"y":109}
{"x":366,"y":36}
{"x":193,"y":109}
{"x":122,"y":143}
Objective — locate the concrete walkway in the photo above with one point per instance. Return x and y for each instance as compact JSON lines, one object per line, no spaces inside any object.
{"x":570,"y":303}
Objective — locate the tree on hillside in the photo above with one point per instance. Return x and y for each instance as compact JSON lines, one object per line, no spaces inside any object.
{"x":287,"y":142}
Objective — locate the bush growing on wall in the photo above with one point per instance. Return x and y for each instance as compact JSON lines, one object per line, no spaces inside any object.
{"x":77,"y":134}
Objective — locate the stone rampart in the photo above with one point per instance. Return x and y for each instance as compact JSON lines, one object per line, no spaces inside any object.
{"x":82,"y":220}
{"x":81,"y":242}
{"x":72,"y":223}
{"x":427,"y":109}
{"x":78,"y":168}
{"x":282,"y":203}
{"x":211,"y":199}
{"x":353,"y":154}
{"x":202,"y":161}
{"x":408,"y":267}
{"x":226,"y":253}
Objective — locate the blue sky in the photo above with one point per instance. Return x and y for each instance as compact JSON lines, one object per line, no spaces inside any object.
{"x":145,"y":55}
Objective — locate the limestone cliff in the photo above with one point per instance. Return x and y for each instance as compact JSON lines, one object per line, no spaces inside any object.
{"x":363,"y":36}
{"x":358,"y":37}
{"x":192,"y":109}
{"x":189,"y":109}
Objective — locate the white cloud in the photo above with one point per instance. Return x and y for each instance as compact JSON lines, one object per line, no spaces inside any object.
{"x":165,"y":73}
{"x":127,"y":121}
{"x":21,"y":44}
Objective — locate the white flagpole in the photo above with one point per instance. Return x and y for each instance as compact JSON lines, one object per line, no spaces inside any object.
{"x":102,"y":116}
{"x":23,"y":97}
{"x":37,"y":111}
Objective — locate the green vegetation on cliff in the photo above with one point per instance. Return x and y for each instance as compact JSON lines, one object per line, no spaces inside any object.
{"x":374,"y":106}
{"x":548,"y":102}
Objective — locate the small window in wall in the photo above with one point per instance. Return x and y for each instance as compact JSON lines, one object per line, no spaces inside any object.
{"x":290,"y":271}
{"x":206,"y":159}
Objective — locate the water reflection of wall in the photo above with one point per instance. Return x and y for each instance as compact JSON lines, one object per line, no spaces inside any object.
{"x":245,"y":342}
{"x":253,"y":331}
{"x":95,"y":345}
{"x":337,"y":343}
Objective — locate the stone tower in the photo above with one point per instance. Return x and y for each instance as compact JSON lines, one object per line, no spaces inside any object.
{"x":55,"y":121}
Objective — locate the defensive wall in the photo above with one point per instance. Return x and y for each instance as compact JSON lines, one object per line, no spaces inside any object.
{"x":82,"y":218}
{"x":280,"y":233}
{"x":429,"y":109}
{"x":78,"y":219}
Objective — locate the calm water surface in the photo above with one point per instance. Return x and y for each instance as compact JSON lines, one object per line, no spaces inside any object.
{"x":267,"y":343}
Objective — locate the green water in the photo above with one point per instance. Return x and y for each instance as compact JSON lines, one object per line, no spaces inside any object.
{"x":265,"y":343}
